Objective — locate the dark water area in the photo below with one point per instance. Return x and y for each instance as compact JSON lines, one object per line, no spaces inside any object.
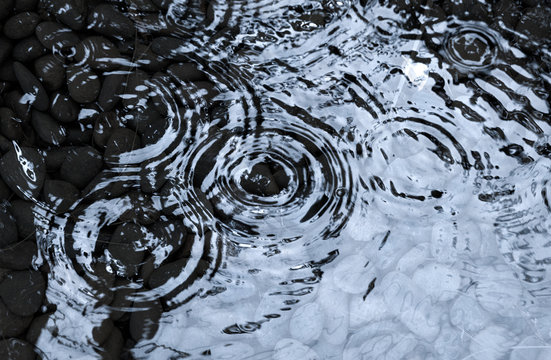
{"x":239,"y":179}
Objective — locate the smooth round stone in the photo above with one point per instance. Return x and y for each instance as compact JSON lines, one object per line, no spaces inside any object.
{"x":50,"y":71}
{"x":306,"y":324}
{"x":16,"y":349}
{"x":186,"y":72}
{"x":104,"y":126}
{"x":144,"y":320}
{"x":439,"y":281}
{"x":148,"y":60}
{"x":10,"y":323}
{"x":165,"y":272}
{"x":25,"y":5}
{"x":83,"y":84}
{"x":101,"y":333}
{"x":142,"y":209}
{"x":21,"y":25}
{"x":121,"y":141}
{"x":127,"y":247}
{"x":60,"y":195}
{"x":57,"y":38}
{"x":5,"y":191}
{"x":353,"y":274}
{"x":24,"y":215}
{"x":492,"y":343}
{"x":114,"y":344}
{"x":170,"y":233}
{"x":5,"y":8}
{"x":8,"y":227}
{"x":169,"y":47}
{"x":23,"y":291}
{"x":63,"y":108}
{"x":465,"y":313}
{"x":10,"y":126}
{"x":107,"y":20}
{"x":293,"y":349}
{"x":14,"y":100}
{"x":111,"y":90}
{"x":18,"y":256}
{"x":47,"y":129}
{"x":136,"y":90}
{"x":23,"y":170}
{"x":154,"y":173}
{"x":98,"y":53}
{"x":70,"y":12}
{"x":5,"y":49}
{"x":28,"y":49}
{"x":81,"y":165}
{"x":30,"y":85}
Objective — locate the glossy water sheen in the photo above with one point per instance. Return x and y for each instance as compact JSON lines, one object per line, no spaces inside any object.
{"x":411,"y":215}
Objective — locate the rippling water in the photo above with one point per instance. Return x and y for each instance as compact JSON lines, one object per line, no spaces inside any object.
{"x":310,"y":179}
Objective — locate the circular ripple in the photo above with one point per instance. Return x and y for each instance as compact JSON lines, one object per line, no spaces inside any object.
{"x":471,"y":48}
{"x":284,"y":182}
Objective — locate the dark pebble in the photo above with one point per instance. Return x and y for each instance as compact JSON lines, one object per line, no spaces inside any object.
{"x":23,"y":291}
{"x":535,"y":23}
{"x":153,"y":173}
{"x":5,"y":8}
{"x":8,"y":227}
{"x":186,"y":72}
{"x":57,"y":38}
{"x":169,"y":47}
{"x":259,"y":181}
{"x":25,"y":5}
{"x":170,"y":232}
{"x":121,"y":141}
{"x":139,"y":118}
{"x":5,"y":145}
{"x":101,"y":333}
{"x":38,"y":325}
{"x":63,"y":108}
{"x":136,"y":90}
{"x":54,"y":157}
{"x":50,"y":71}
{"x":5,"y":191}
{"x":106,"y":185}
{"x":30,"y":85}
{"x":60,"y":195}
{"x":47,"y":129}
{"x":148,"y":60}
{"x":141,"y":5}
{"x":78,"y":135}
{"x":83,"y":84}
{"x":23,"y":212}
{"x":23,"y":171}
{"x":98,"y":53}
{"x":10,"y":323}
{"x":121,"y":300}
{"x":18,"y":256}
{"x":114,"y":345}
{"x":21,"y":25}
{"x":16,"y":349}
{"x":166,"y":272}
{"x":14,"y":100}
{"x":5,"y":49}
{"x":10,"y":125}
{"x":70,"y":12}
{"x":28,"y":49}
{"x":107,"y":20}
{"x":81,"y":165}
{"x":144,"y":321}
{"x":104,"y":126}
{"x":6,"y":71}
{"x":143,"y":210}
{"x":162,"y":4}
{"x":126,"y":247}
{"x":111,"y":88}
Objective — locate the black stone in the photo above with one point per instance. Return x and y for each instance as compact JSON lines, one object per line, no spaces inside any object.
{"x":186,"y":72}
{"x":169,"y":47}
{"x":50,"y":71}
{"x":23,"y":291}
{"x":23,"y":170}
{"x":57,"y":38}
{"x":63,"y":108}
{"x":8,"y":227}
{"x":83,"y":84}
{"x":126,"y":247}
{"x":142,"y":211}
{"x":111,"y":88}
{"x":144,"y":320}
{"x":98,"y":53}
{"x":121,"y":141}
{"x":104,"y":126}
{"x":148,"y":60}
{"x":5,"y":8}
{"x":30,"y":85}
{"x":25,"y":5}
{"x":24,"y":215}
{"x":259,"y":181}
{"x":18,"y":256}
{"x":60,"y":195}
{"x":5,"y":49}
{"x":10,"y":125}
{"x":12,"y":324}
{"x":70,"y":12}
{"x":81,"y":165}
{"x":28,"y":49}
{"x":21,"y":25}
{"x":107,"y":20}
{"x":16,"y":349}
{"x":47,"y":129}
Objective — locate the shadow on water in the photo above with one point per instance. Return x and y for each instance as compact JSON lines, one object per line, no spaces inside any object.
{"x":265,"y":179}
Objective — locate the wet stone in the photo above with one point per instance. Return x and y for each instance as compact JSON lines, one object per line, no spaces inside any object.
{"x":5,"y":8}
{"x":63,"y":108}
{"x":24,"y":215}
{"x":25,"y":5}
{"x":54,"y":157}
{"x":144,"y":321}
{"x":18,"y":256}
{"x":111,"y":88}
{"x":126,"y":248}
{"x":168,"y":47}
{"x":10,"y":126}
{"x":81,"y":165}
{"x":113,"y":345}
{"x":186,"y":72}
{"x":83,"y":84}
{"x":121,"y":141}
{"x":47,"y":129}
{"x":107,"y":20}
{"x":142,"y":210}
{"x":30,"y":85}
{"x":23,"y":291}
{"x":28,"y":49}
{"x":16,"y":349}
{"x":101,"y":333}
{"x":98,"y":53}
{"x":23,"y":170}
{"x":14,"y":100}
{"x":104,"y":126}
{"x":10,"y":323}
{"x":136,"y":91}
{"x":5,"y":191}
{"x":148,"y":60}
{"x":50,"y":71}
{"x":38,"y":325}
{"x":153,"y":173}
{"x":70,"y":12}
{"x":259,"y":181}
{"x":21,"y":25}
{"x":8,"y":227}
{"x":78,"y":135}
{"x":60,"y":195}
{"x":5,"y":49}
{"x":57,"y":38}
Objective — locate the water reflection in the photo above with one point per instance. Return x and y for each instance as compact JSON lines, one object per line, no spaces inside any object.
{"x":347,"y":179}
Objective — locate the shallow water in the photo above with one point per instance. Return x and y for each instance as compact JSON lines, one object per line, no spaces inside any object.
{"x":315,"y":180}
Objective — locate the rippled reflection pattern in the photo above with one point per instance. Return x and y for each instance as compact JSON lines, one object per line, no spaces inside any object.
{"x":290,"y":179}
